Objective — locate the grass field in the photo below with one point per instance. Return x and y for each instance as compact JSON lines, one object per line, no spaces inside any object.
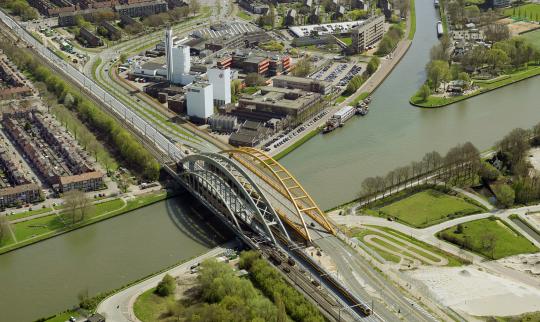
{"x":429,"y":207}
{"x":149,"y":307}
{"x":533,"y":37}
{"x":241,"y":14}
{"x":527,"y":11}
{"x":346,"y":40}
{"x":28,"y":213}
{"x":412,"y":30}
{"x":476,"y":237}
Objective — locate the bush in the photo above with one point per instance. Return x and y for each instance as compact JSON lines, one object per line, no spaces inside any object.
{"x":505,"y":194}
{"x":166,"y":286}
{"x":488,"y":172}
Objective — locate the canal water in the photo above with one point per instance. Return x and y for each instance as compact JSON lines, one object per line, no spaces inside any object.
{"x":47,"y":277}
{"x":332,"y":166}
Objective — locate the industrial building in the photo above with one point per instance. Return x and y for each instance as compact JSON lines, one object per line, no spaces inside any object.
{"x":250,"y":134}
{"x":220,"y":78}
{"x":367,"y":33}
{"x":178,"y":61}
{"x":262,"y":63}
{"x":280,"y":103}
{"x":305,"y":84}
{"x":200,"y":101}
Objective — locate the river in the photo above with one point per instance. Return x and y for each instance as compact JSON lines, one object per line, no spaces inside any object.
{"x":332,"y":166}
{"x":46,"y":278}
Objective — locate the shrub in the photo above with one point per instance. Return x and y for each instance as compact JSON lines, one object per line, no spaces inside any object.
{"x":166,"y":286}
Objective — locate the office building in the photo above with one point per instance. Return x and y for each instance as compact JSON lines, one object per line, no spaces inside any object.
{"x":367,"y":33}
{"x":220,"y":78}
{"x":200,"y":101}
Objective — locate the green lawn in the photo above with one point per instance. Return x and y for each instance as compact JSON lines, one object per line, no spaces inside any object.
{"x":63,"y":317}
{"x":243,"y":15}
{"x":429,"y":207}
{"x":28,"y":213}
{"x":529,"y":11}
{"x":476,"y":236}
{"x":412,"y":30}
{"x":149,"y":307}
{"x":346,"y":40}
{"x":533,"y":37}
{"x":39,"y":226}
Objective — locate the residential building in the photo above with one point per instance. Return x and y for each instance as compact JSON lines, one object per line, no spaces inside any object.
{"x":367,"y":33}
{"x":21,"y":194}
{"x":88,"y":38}
{"x":89,"y":181}
{"x":142,"y":9}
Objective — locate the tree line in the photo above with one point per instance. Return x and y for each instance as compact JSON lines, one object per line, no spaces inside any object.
{"x":104,"y":126}
{"x":357,"y":81}
{"x":390,"y":40}
{"x":460,"y":164}
{"x":270,"y":282}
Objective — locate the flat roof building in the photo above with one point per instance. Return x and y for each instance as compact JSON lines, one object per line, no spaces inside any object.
{"x":367,"y":33}
{"x":200,"y":100}
{"x":305,"y":84}
{"x":296,"y":104}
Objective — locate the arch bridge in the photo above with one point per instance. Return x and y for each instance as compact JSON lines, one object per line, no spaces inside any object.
{"x":254,"y":194}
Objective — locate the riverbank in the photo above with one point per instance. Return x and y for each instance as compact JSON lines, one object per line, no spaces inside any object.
{"x":52,"y":224}
{"x":485,"y":87}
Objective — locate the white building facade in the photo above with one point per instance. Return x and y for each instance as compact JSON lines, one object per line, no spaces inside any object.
{"x":221,"y":83}
{"x":200,"y":100}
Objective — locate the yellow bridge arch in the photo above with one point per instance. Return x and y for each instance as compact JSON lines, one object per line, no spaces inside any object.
{"x":286,"y":184}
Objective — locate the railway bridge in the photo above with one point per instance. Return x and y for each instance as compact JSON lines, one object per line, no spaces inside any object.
{"x":255,"y":196}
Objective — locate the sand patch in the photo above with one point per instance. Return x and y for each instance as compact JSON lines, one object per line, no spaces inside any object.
{"x":478,"y":293}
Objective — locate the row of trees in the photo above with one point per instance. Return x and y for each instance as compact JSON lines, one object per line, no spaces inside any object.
{"x":302,"y":68}
{"x":104,"y":126}
{"x":270,"y":282}
{"x":390,"y":40}
{"x":461,"y":163}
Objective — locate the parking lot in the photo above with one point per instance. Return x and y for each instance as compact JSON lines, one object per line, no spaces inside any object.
{"x":338,"y":73}
{"x":282,"y":138}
